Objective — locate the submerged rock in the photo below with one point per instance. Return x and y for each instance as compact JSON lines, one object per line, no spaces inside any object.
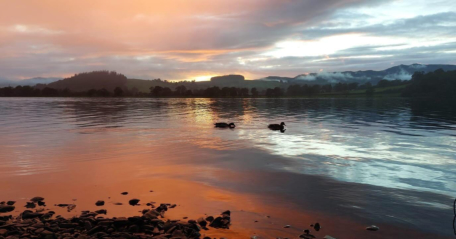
{"x":30,"y":205}
{"x":102,"y":211}
{"x":134,"y":202}
{"x":6,"y":208}
{"x":37,"y":199}
{"x":11,"y":203}
{"x":317,"y":227}
{"x":100,"y":203}
{"x":372,"y":228}
{"x":328,"y":237}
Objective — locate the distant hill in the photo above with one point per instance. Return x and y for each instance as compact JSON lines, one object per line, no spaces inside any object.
{"x":228,"y":79}
{"x":38,"y":80}
{"x":401,"y":72}
{"x":108,"y":80}
{"x":30,"y":82}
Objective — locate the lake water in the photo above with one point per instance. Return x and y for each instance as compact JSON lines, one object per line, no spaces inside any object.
{"x":346,"y":163}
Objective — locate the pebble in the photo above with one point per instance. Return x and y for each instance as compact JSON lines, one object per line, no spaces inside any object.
{"x":134,"y":202}
{"x":328,"y":237}
{"x":6,"y":208}
{"x":37,"y":199}
{"x":372,"y":228}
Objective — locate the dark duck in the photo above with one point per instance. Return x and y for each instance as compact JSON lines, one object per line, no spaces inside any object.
{"x":280,"y":126}
{"x":225,"y":125}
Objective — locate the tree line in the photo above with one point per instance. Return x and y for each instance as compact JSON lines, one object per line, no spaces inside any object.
{"x":437,"y":84}
{"x":295,"y":90}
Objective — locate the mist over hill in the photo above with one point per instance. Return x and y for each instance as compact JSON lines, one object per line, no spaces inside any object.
{"x":401,"y":72}
{"x":110,"y":80}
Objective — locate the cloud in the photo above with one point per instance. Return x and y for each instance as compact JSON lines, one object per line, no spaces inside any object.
{"x":180,"y":39}
{"x":24,"y":29}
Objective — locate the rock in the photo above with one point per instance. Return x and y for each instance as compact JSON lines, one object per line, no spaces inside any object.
{"x":287,"y":226}
{"x":124,"y":193}
{"x":27,"y":214}
{"x":202,"y":222}
{"x":172,"y":206}
{"x":94,"y":230}
{"x":102,"y":211}
{"x":100,"y":203}
{"x":317,"y":227}
{"x":121,"y":221}
{"x":11,"y":203}
{"x":152,"y":214}
{"x":37,"y":199}
{"x":118,"y":203}
{"x":68,"y":225}
{"x":6,"y":208}
{"x":133,"y":229}
{"x":328,"y":237}
{"x":87,"y":225}
{"x":210,"y":218}
{"x":134,"y":202}
{"x":372,"y":228}
{"x":162,"y":208}
{"x":71,"y":207}
{"x":30,"y":205}
{"x":41,"y":203}
{"x":228,"y":213}
{"x":307,"y":236}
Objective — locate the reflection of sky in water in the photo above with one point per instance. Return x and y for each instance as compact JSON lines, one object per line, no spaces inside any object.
{"x":390,"y":143}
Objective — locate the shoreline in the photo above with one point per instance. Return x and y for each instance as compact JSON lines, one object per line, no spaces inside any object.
{"x":44,"y":223}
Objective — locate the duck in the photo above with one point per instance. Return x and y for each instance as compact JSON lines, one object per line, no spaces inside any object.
{"x":280,"y":126}
{"x":225,"y":125}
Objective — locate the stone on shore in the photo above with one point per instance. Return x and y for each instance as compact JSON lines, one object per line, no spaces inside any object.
{"x":134,"y":202}
{"x":37,"y":199}
{"x":222,"y":222}
{"x":6,"y":208}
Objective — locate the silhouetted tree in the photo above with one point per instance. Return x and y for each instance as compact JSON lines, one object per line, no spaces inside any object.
{"x":118,"y":92}
{"x":254,"y":92}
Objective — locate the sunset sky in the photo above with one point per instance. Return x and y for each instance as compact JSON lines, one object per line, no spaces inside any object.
{"x":197,"y":39}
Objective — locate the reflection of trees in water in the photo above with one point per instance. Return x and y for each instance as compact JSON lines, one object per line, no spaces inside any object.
{"x":433,"y":114}
{"x":106,"y":113}
{"x":393,"y":112}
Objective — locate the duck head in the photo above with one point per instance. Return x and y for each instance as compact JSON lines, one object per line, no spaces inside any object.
{"x":282,"y":124}
{"x":232,"y":125}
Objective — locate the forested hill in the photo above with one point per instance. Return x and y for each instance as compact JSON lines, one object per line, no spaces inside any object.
{"x":437,"y":84}
{"x":86,"y":81}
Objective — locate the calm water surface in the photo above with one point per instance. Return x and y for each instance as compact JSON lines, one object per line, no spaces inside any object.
{"x":347,"y":163}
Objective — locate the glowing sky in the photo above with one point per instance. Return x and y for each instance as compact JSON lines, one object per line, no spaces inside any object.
{"x":183,"y":39}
